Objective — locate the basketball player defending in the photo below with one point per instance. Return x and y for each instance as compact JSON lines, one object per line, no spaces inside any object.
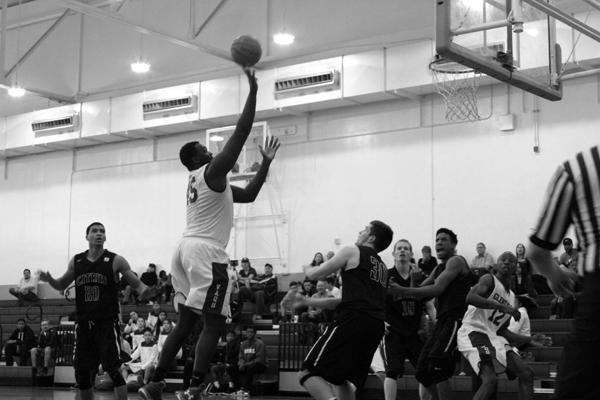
{"x":483,"y":336}
{"x":450,"y":282}
{"x":200,"y":266}
{"x":339,"y":361}
{"x":97,"y":335}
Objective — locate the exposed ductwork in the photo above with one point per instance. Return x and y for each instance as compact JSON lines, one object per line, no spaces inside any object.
{"x":170,"y":107}
{"x":313,"y":83}
{"x":55,"y":126}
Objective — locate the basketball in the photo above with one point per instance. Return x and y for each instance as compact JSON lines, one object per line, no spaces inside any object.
{"x":245,"y":51}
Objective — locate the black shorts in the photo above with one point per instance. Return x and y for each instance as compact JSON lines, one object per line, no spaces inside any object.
{"x":396,"y":349}
{"x":439,"y":354}
{"x":97,"y":342}
{"x":345,"y":350}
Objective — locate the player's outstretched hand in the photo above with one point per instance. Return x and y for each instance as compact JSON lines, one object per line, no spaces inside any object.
{"x":541,"y":340}
{"x":416,"y":276}
{"x":250,"y":73}
{"x":514,"y":312}
{"x":44,"y":276}
{"x":271,"y":146}
{"x":395,"y":288}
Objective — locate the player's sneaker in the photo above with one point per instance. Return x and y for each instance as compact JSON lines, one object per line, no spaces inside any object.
{"x":189,"y":394}
{"x":152,"y":390}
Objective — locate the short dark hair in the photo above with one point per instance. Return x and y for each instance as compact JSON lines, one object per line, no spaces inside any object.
{"x":147,"y":329}
{"x":383,"y":235}
{"x":453,"y":237}
{"x":330,"y":280}
{"x":567,"y":241}
{"x":293,"y":283}
{"x":27,"y":269}
{"x":268,"y":265}
{"x":21,"y":319}
{"x":187,"y":153}
{"x":152,"y":265}
{"x":89,"y":227}
{"x":250,"y":327}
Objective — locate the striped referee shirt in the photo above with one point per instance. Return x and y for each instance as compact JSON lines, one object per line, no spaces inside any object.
{"x":573,"y":197}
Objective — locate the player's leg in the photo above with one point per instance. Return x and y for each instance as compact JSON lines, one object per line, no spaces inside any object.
{"x":107,"y":341}
{"x":318,"y":387}
{"x":516,"y":367}
{"x":85,"y":361}
{"x":489,"y":383}
{"x":214,"y":326}
{"x":345,"y":391}
{"x":394,"y":364}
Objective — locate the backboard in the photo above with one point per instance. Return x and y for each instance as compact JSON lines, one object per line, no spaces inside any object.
{"x":515,"y":41}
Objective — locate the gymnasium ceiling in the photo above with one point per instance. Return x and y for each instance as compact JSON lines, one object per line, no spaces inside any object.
{"x":84,"y":47}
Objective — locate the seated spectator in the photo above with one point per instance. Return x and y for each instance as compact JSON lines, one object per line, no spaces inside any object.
{"x":224,"y":372}
{"x":262,"y":290}
{"x":162,"y":318}
{"x":152,"y":319}
{"x":317,"y":259}
{"x":19,"y":344}
{"x":147,"y":353}
{"x":570,"y":256}
{"x":286,"y":307}
{"x":332,"y":290}
{"x":483,"y":261}
{"x":246,"y":274}
{"x":252,"y":358}
{"x":166,"y":328}
{"x":166,"y":286}
{"x":130,"y":326}
{"x":428,"y":262}
{"x":522,"y":282}
{"x":308,"y":288}
{"x":46,"y":346}
{"x":315,"y":316}
{"x":27,"y":290}
{"x":137,"y":336}
{"x":150,"y":279}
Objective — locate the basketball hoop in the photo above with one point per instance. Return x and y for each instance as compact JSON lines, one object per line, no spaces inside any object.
{"x":457,"y":84}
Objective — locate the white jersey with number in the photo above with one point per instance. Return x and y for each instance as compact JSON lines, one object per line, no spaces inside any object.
{"x":209,"y":213}
{"x":486,"y":320}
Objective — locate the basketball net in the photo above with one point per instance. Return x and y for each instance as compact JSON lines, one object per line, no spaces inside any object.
{"x":458,"y":85}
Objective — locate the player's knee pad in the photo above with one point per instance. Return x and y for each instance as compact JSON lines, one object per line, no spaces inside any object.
{"x":83,"y":377}
{"x":116,"y":377}
{"x":303,"y":376}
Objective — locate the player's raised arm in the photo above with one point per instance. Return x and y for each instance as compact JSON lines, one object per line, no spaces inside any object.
{"x":223,"y":162}
{"x":64,"y":281}
{"x":339,"y":261}
{"x":249,"y":193}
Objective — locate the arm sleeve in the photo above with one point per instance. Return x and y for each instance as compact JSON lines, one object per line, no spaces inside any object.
{"x":555,"y":216}
{"x":260,"y":352}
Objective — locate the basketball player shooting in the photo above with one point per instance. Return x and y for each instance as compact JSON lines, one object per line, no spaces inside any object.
{"x":200,"y":266}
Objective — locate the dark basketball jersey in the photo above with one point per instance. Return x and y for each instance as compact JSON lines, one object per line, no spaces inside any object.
{"x":365,"y":287}
{"x":403,"y":313}
{"x":452,"y":302}
{"x":96,"y":292}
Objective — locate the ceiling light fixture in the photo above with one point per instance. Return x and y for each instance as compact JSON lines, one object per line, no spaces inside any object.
{"x":283,"y":38}
{"x":140,"y":67}
{"x":216,"y":138}
{"x":16,"y":91}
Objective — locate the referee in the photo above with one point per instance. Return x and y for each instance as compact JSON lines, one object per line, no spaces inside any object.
{"x":573,"y":198}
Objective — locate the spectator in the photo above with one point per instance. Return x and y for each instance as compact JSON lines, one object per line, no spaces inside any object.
{"x":314,"y":314}
{"x":167,"y":327}
{"x":483,"y":261}
{"x":166,"y":286}
{"x":262,"y":290}
{"x":162,"y":318}
{"x":224,"y":373}
{"x":522,"y":282}
{"x":332,"y":290}
{"x":152,"y":319}
{"x":147,"y":353}
{"x":246,"y":274}
{"x":46,"y":346}
{"x":428,"y":262}
{"x":19,"y":343}
{"x":570,"y":256}
{"x":286,"y":307}
{"x":27,"y":290}
{"x":137,"y":336}
{"x":252,"y":358}
{"x":150,"y":279}
{"x":329,"y":255}
{"x":317,"y":259}
{"x":308,"y":288}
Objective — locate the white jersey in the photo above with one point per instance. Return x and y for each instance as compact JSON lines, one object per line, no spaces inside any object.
{"x":486,"y":320}
{"x":209,"y":213}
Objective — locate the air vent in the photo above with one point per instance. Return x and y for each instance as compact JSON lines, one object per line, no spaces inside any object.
{"x":329,"y":80}
{"x":170,"y":107}
{"x":55,"y":126}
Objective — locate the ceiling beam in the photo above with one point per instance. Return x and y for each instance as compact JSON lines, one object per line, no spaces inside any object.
{"x":147,"y":30}
{"x":38,"y":42}
{"x":207,"y":20}
{"x":593,"y":3}
{"x":3,"y":37}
